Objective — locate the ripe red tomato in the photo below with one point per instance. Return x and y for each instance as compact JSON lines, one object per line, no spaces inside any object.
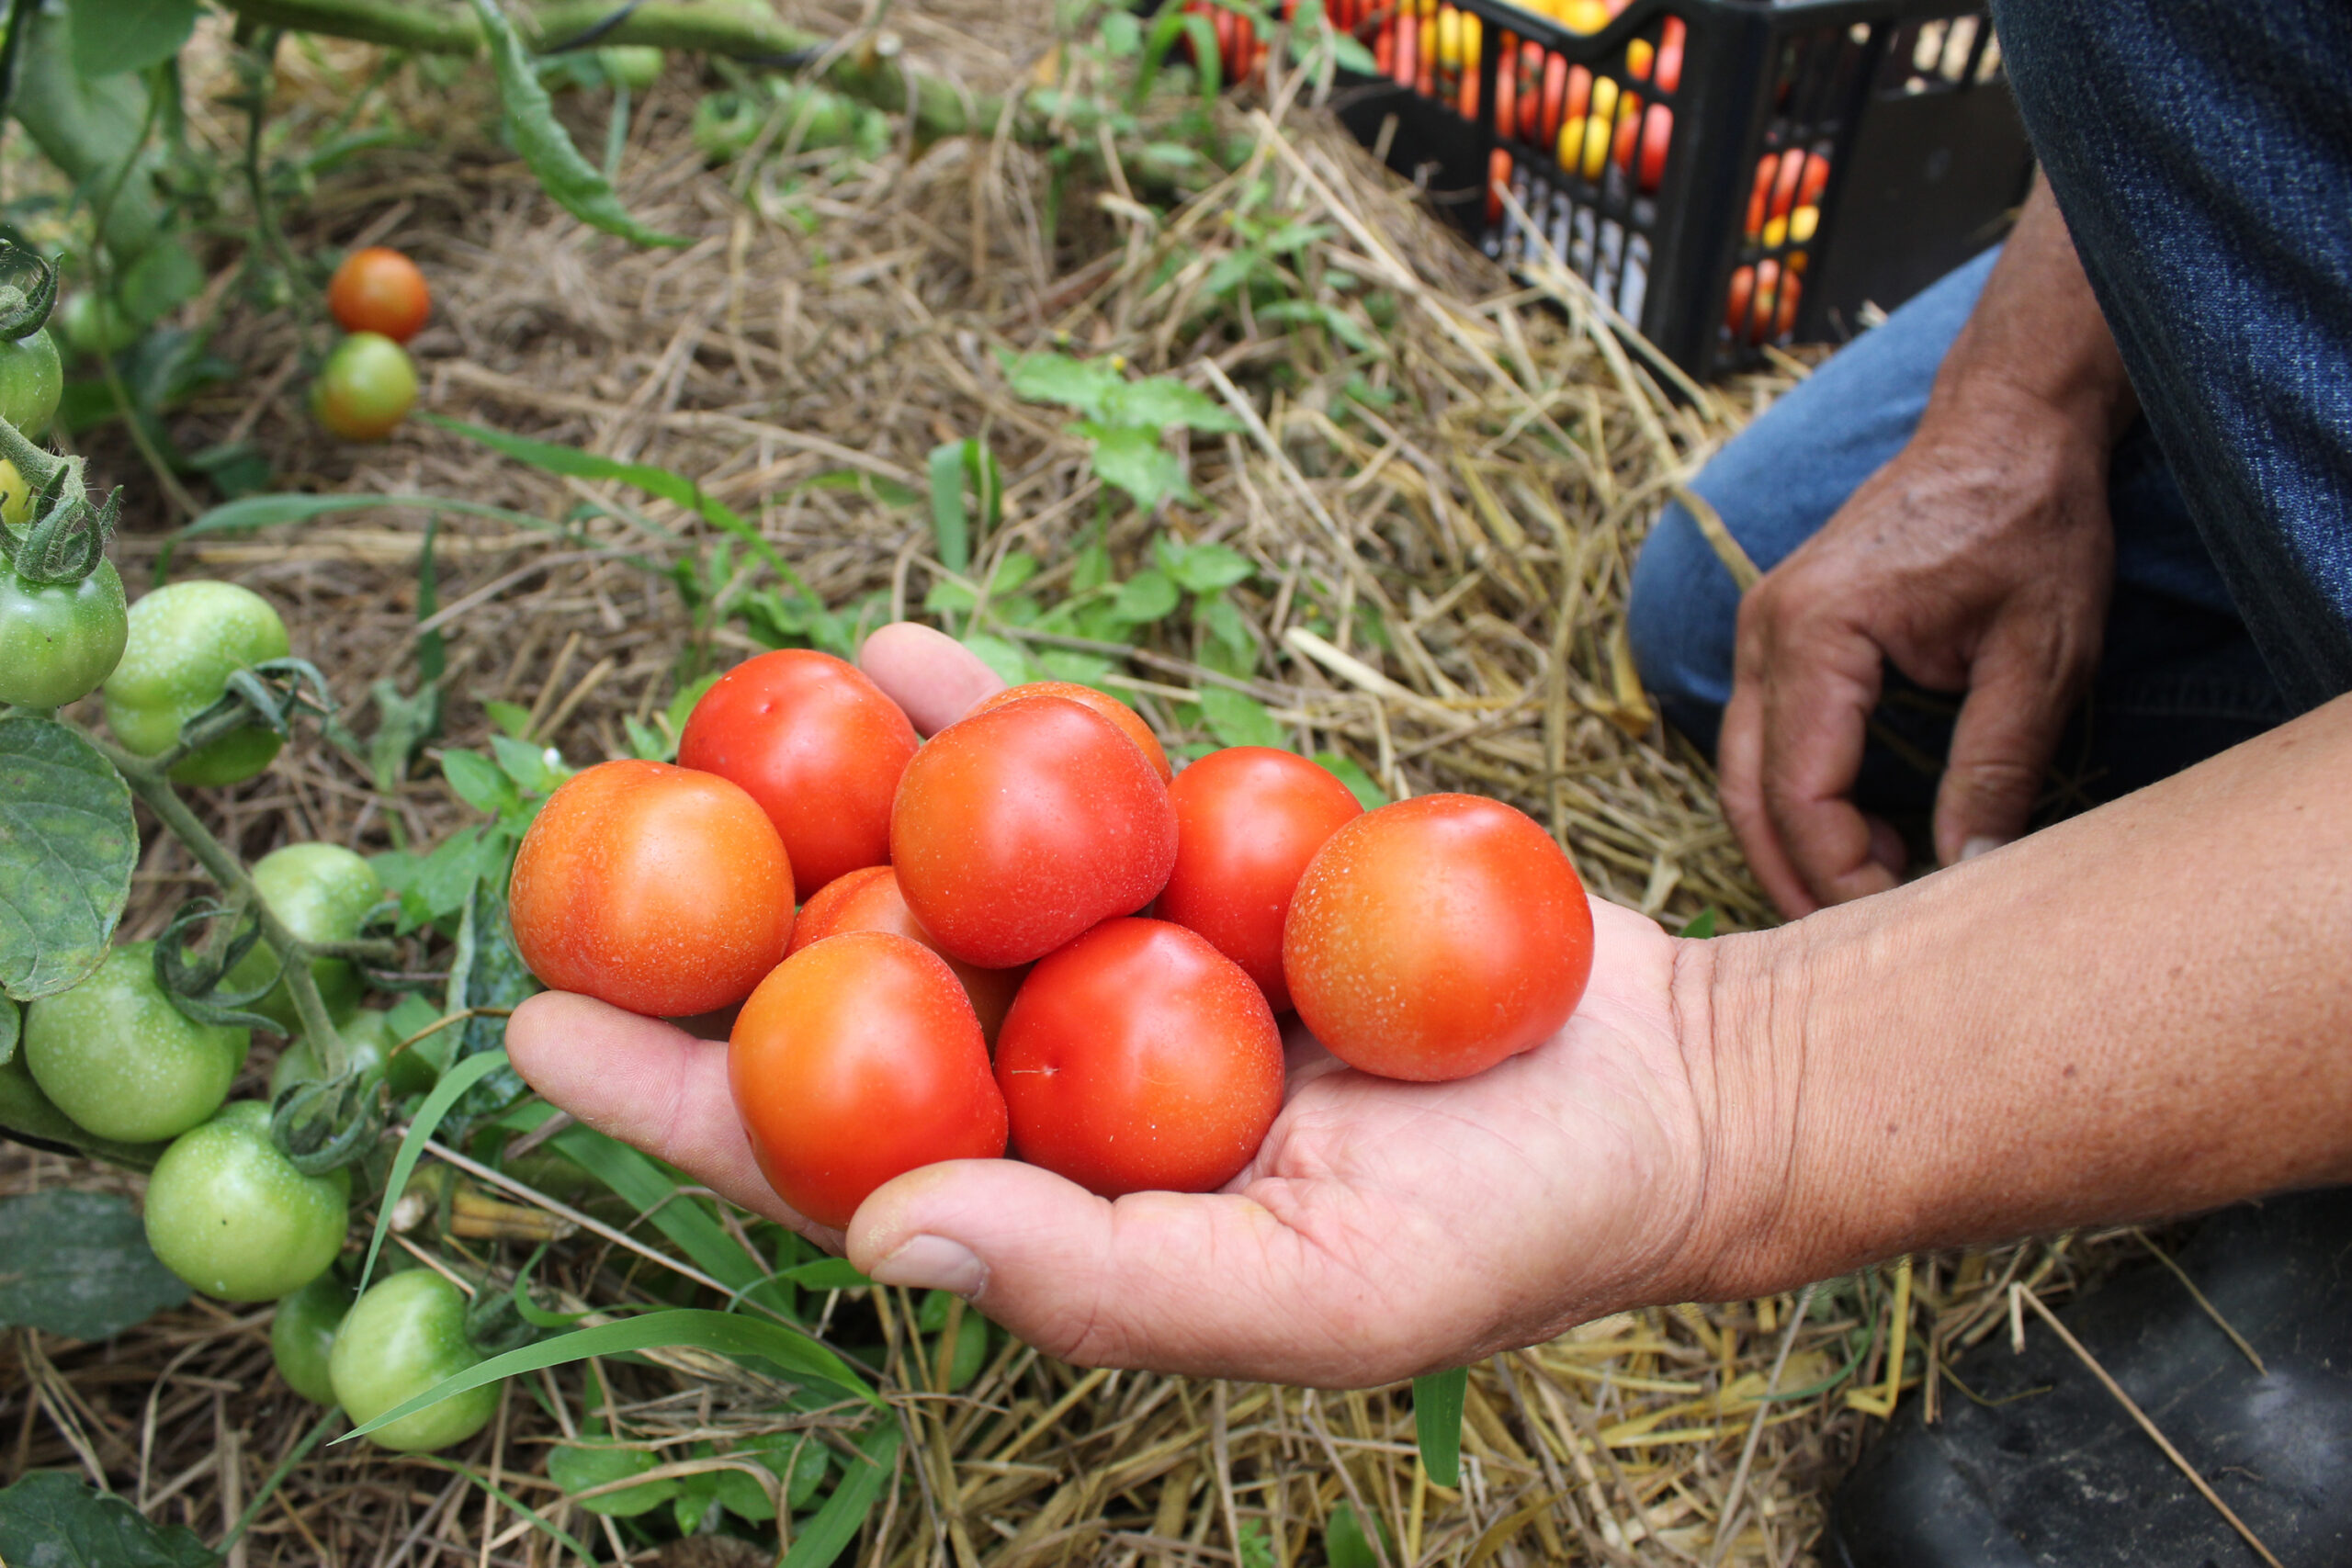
{"x":1649,"y":132}
{"x":869,"y":901}
{"x":658,"y":889}
{"x":1110,"y":707}
{"x":817,"y":744}
{"x":1247,"y":821}
{"x":1139,"y":1058}
{"x":1430,"y":939}
{"x":1774,"y":300}
{"x":1019,"y":828}
{"x":857,"y":1060}
{"x":379,"y":290}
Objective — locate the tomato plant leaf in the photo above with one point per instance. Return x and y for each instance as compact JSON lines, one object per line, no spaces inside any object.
{"x":1350,"y":772}
{"x":1437,"y":1423}
{"x":584,"y":1466}
{"x":836,"y":1524}
{"x":78,"y":1264}
{"x":1157,"y":402}
{"x":48,"y":1519}
{"x":488,"y":971}
{"x":114,"y":36}
{"x":1133,"y":461}
{"x":1240,"y":720}
{"x":578,"y":186}
{"x":67,"y":846}
{"x":734,"y":1335}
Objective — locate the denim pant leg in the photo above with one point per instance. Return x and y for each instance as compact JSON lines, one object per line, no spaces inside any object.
{"x":2201,"y":151}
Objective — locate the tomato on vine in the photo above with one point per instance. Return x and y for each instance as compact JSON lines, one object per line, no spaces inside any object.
{"x":377,"y":289}
{"x":117,"y":1057}
{"x":184,"y":641}
{"x":32,"y":380}
{"x":405,"y":1335}
{"x":319,"y":893}
{"x":369,"y":1044}
{"x":59,"y":640}
{"x":227,"y":1211}
{"x":301,"y":1335}
{"x":366,"y":387}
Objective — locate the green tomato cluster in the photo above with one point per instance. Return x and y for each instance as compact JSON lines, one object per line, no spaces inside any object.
{"x":184,"y":641}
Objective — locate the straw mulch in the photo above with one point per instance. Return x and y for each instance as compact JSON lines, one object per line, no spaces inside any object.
{"x":836,"y":318}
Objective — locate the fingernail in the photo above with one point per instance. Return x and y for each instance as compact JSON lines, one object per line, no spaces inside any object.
{"x":933,"y":1263}
{"x":1983,"y":843}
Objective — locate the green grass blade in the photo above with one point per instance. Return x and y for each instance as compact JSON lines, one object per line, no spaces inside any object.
{"x":836,"y":1524}
{"x":446,"y":1093}
{"x":1437,"y":1423}
{"x":732,"y":1334}
{"x":690,"y":1227}
{"x":271,"y":511}
{"x":949,"y":525}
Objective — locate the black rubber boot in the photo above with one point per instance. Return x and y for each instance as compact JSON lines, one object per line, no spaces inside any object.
{"x":2065,"y":1479}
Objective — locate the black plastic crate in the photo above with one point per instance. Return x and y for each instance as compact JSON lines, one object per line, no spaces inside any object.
{"x":1809,"y":157}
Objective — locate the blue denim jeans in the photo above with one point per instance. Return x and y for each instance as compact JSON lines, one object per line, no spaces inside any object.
{"x":2202,"y":155}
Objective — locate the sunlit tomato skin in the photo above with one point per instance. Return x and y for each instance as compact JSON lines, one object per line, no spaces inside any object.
{"x":1110,"y":707}
{"x":869,"y":901}
{"x":1017,"y":829}
{"x":379,"y":290}
{"x":1140,"y":1059}
{"x":1247,"y":821}
{"x":658,"y":889}
{"x":1433,"y":938}
{"x":857,"y":1060}
{"x":817,"y":744}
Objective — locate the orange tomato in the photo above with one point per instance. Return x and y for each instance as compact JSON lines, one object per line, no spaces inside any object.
{"x":869,"y":900}
{"x":658,"y":889}
{"x":1129,"y":721}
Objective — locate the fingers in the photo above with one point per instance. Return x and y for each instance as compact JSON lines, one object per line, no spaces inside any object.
{"x":649,"y":1084}
{"x":1804,"y":697}
{"x":2022,"y":688}
{"x":934,"y":678}
{"x":1211,"y":1284}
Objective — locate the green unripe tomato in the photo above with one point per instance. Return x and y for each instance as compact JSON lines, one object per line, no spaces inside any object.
{"x":185,"y":640}
{"x":321,"y":893}
{"x":365,"y":388}
{"x":633,"y":66}
{"x":407,"y":1333}
{"x":229,"y":1213}
{"x":94,"y":326}
{"x":59,"y":640}
{"x":32,"y":379}
{"x":302,"y":1334}
{"x":368,"y":1039}
{"x":114,"y":1054}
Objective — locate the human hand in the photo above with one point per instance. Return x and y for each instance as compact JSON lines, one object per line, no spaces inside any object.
{"x":1384,"y":1229}
{"x":1978,"y":561}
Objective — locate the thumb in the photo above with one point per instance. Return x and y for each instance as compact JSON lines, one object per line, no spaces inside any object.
{"x":2019,"y":696}
{"x":934,"y":678}
{"x":1211,"y":1284}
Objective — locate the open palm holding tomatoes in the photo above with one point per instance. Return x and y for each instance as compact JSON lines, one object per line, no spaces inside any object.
{"x":1380,"y":1228}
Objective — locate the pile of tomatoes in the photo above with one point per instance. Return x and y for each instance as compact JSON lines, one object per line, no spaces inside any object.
{"x":1029,"y":932}
{"x":367,"y":384}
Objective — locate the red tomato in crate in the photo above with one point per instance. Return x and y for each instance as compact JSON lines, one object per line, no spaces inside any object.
{"x":817,"y":744}
{"x":1762,"y":305}
{"x":857,"y":1060}
{"x":1433,"y":938}
{"x":1017,"y":829}
{"x":1247,"y":821}
{"x":869,"y":901}
{"x":1139,"y":1058}
{"x":1110,"y":707}
{"x":1648,"y":133}
{"x":658,"y":889}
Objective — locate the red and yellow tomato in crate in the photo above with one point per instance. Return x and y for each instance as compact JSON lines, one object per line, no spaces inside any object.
{"x":1030,"y":936}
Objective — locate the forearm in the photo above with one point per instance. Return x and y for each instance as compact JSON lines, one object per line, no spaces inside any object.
{"x":2144,"y":1010}
{"x":2036,"y":341}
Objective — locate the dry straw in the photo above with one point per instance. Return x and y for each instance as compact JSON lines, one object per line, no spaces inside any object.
{"x":831,"y":318}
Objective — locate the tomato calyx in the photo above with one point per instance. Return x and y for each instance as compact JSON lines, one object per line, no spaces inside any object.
{"x":24,"y":310}
{"x":67,"y":540}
